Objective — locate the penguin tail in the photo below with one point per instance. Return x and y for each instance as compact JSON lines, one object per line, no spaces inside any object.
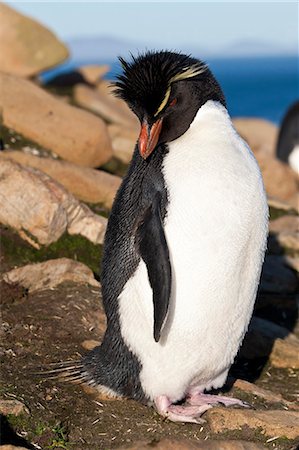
{"x":66,"y":371}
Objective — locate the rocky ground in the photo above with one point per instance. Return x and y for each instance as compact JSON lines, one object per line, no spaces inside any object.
{"x":65,"y":147}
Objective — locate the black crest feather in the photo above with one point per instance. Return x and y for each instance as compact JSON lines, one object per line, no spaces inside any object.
{"x":146,"y":78}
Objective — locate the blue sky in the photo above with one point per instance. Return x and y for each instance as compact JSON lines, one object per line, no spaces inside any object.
{"x":171,"y":24}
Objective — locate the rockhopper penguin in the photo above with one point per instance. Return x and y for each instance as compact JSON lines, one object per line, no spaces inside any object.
{"x":287,"y":148}
{"x":184,"y":244}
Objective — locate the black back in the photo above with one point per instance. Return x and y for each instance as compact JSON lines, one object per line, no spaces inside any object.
{"x":113,"y":364}
{"x":289,"y":133}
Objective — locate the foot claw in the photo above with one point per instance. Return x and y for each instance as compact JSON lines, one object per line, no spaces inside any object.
{"x":213,"y":400}
{"x":180,"y":413}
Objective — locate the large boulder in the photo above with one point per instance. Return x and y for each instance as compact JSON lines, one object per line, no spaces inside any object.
{"x":93,"y":73}
{"x":286,"y":229}
{"x":260,"y":134}
{"x":26,"y":47}
{"x":280,"y":180}
{"x":41,"y":210}
{"x":123,"y":141}
{"x":89,"y":185}
{"x":103,"y":102}
{"x":71,"y":133}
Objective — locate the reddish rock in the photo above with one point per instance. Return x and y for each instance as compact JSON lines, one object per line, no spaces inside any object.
{"x":71,"y":133}
{"x":27,"y":47}
{"x":184,"y":444}
{"x":93,"y":73}
{"x":123,"y":142}
{"x":279,"y":179}
{"x":272,"y":423}
{"x":13,"y":407}
{"x":260,"y":134}
{"x":89,"y":185}
{"x":90,"y":344}
{"x":285,"y":354}
{"x":103,"y":103}
{"x":49,"y":274}
{"x":40,"y":209}
{"x":265,"y":394}
{"x":286,"y":229}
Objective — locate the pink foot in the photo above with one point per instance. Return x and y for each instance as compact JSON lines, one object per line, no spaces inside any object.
{"x":198,"y":399}
{"x":180,"y":413}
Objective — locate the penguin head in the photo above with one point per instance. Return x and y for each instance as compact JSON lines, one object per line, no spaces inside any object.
{"x":165,"y":90}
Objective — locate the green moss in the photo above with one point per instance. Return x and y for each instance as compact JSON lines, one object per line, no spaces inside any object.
{"x":276,"y":213}
{"x":99,"y":209}
{"x":60,"y":439}
{"x":115,"y":167}
{"x":16,"y":141}
{"x":18,"y":252}
{"x":52,"y":435}
{"x":61,"y":91}
{"x":20,"y":422}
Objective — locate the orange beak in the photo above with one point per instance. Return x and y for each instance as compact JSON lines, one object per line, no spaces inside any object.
{"x":149,"y":137}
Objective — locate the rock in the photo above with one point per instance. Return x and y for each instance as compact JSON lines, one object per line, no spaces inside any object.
{"x":292,"y":262}
{"x":93,"y":73}
{"x":89,"y":75}
{"x":273,"y":423}
{"x":275,"y":203}
{"x":14,"y":407}
{"x":123,"y":142}
{"x":12,"y":447}
{"x":260,"y":134}
{"x":286,"y":229}
{"x":81,"y":220}
{"x":71,"y":133}
{"x":49,"y":274}
{"x":265,"y":394}
{"x":89,"y":185}
{"x":90,"y":344}
{"x":26,"y":47}
{"x":277,"y":277}
{"x":40,"y":209}
{"x":106,"y":88}
{"x":280,"y":180}
{"x":103,"y":103}
{"x":285,"y":354}
{"x":184,"y":444}
{"x":261,"y":336}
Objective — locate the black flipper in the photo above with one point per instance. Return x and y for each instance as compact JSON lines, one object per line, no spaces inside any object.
{"x":154,"y":251}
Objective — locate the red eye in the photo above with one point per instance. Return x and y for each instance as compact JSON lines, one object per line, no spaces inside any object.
{"x":173,"y":102}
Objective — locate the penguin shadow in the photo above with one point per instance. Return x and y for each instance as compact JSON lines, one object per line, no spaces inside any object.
{"x":9,"y":437}
{"x":274,"y":317}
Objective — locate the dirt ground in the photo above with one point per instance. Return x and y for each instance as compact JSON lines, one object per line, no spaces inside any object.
{"x":50,"y":326}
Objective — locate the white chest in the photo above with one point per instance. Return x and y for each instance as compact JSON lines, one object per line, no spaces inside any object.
{"x":216,"y":226}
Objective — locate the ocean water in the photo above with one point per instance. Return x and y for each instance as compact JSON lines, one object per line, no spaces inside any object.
{"x":261,"y":87}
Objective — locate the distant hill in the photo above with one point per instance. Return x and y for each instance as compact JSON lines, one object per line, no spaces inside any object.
{"x":101,"y":48}
{"x":259,"y":48}
{"x":105,"y":48}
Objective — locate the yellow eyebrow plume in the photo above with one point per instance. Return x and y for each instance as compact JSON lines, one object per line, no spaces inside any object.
{"x":187,"y":72}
